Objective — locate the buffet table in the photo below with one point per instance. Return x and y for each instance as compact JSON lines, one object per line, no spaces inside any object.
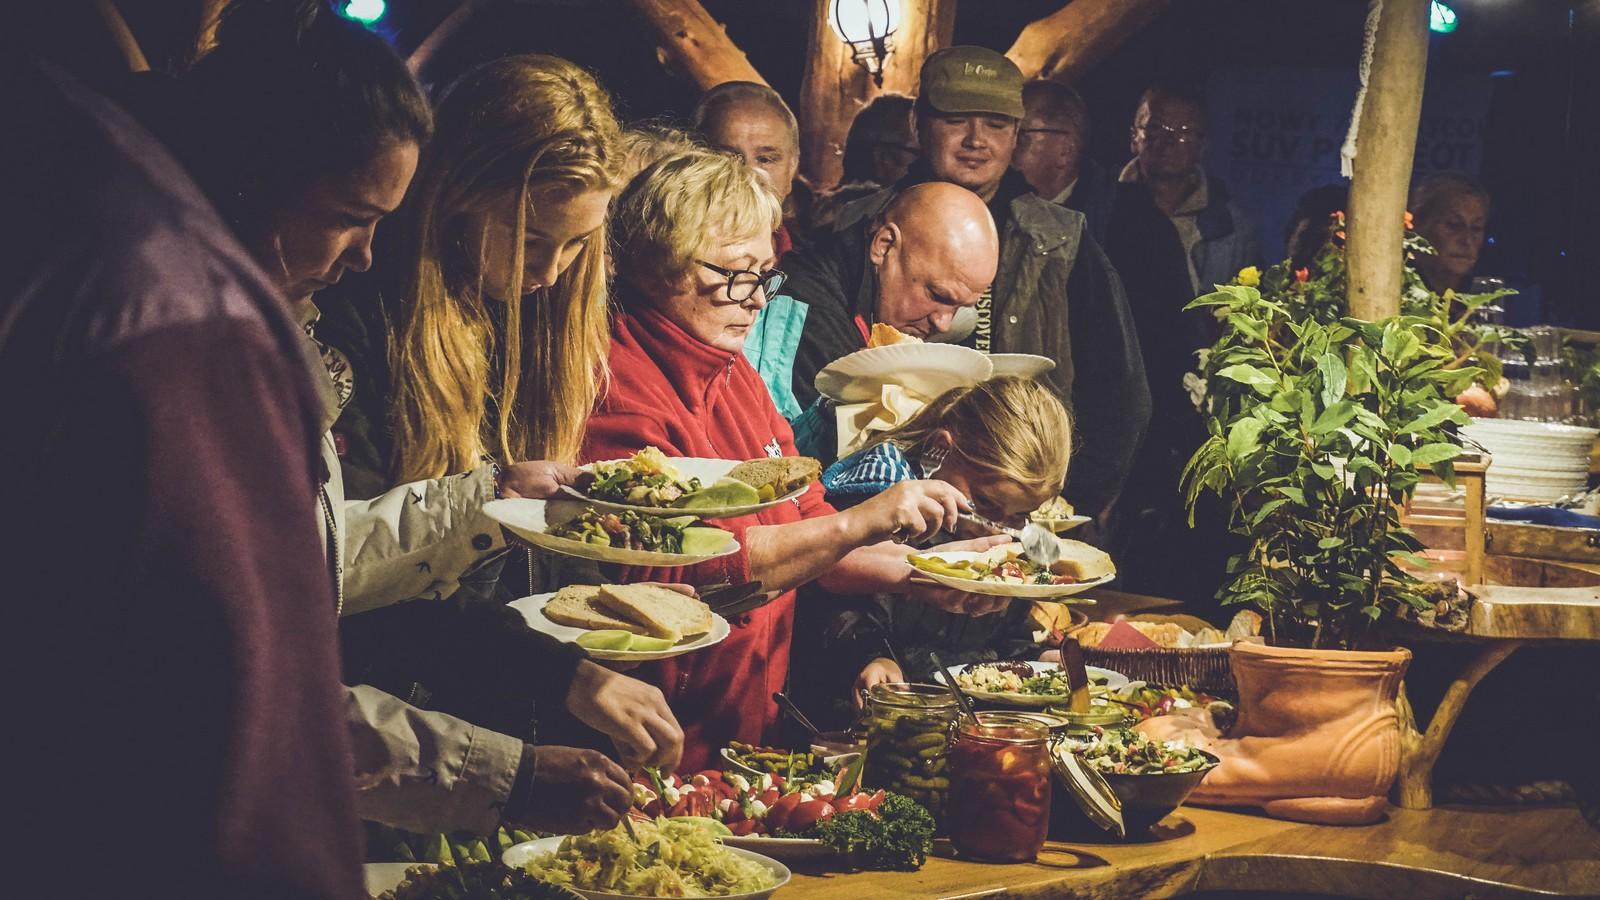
{"x":1449,"y":851}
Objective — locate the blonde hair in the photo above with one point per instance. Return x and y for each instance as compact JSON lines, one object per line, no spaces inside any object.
{"x":1009,"y":427}
{"x":646,"y":143}
{"x":677,"y":208}
{"x":512,"y":126}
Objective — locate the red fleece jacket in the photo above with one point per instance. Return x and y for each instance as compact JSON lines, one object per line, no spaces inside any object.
{"x":670,"y":391}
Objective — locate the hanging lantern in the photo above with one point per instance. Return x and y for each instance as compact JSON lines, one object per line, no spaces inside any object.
{"x":866,"y":25}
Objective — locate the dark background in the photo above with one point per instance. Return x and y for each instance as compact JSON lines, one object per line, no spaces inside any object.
{"x":1540,"y":155}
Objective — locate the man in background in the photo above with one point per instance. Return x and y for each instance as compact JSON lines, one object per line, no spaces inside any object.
{"x":1053,"y":154}
{"x":752,"y":120}
{"x":1168,"y":141}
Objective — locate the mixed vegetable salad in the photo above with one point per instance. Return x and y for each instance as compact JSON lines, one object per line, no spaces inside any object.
{"x":1014,"y":677}
{"x":1122,"y":751}
{"x":626,"y":530}
{"x":646,"y":479}
{"x":876,"y":829}
{"x":1015,"y":570}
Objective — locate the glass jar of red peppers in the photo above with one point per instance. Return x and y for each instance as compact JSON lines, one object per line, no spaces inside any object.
{"x":999,"y":804}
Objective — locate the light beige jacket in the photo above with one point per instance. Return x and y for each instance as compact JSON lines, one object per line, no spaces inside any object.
{"x":414,"y":769}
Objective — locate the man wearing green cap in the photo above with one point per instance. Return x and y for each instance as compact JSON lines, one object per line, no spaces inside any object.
{"x":1055,"y":293}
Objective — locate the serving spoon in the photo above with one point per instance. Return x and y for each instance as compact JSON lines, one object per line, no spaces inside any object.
{"x":1039,"y":544}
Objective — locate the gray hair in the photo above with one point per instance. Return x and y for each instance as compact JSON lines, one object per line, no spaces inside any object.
{"x":729,"y":93}
{"x":1435,"y":190}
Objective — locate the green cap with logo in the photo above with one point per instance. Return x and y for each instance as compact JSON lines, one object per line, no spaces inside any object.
{"x":972,"y":80}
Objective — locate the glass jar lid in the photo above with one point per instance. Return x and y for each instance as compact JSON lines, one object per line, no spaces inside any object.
{"x":1013,"y":728}
{"x":913,"y":696}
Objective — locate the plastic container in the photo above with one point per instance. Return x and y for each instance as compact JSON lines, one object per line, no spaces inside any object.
{"x":909,"y":729}
{"x":999,"y":788}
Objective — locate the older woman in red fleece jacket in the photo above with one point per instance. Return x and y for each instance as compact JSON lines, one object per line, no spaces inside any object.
{"x":694,"y":258}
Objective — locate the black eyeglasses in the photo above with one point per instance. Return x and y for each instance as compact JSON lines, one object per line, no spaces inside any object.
{"x":742,"y":283}
{"x":1156,"y":134}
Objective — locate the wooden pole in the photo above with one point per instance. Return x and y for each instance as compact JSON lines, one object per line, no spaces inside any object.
{"x":210,"y":17}
{"x":117,"y":26}
{"x":1066,"y":43}
{"x":698,"y":42}
{"x":1386,"y":143}
{"x":836,"y":88}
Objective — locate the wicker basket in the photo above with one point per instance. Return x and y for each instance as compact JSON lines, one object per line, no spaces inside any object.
{"x":1202,"y":668}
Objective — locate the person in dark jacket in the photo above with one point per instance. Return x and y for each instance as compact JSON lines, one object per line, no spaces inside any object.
{"x":1168,"y":141}
{"x":1053,"y":154}
{"x":159,"y":413}
{"x":1055,"y":294}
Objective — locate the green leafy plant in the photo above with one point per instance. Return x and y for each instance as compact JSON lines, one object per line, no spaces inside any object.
{"x":1320,"y":427}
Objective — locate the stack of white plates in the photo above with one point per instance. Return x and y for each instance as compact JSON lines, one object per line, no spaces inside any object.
{"x":1534,"y":460}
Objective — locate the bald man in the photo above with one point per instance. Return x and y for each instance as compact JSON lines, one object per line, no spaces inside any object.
{"x":933,"y":250}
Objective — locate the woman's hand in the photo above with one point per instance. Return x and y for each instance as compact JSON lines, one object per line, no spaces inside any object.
{"x":633,"y":714}
{"x":908,"y":512}
{"x":879,"y":671}
{"x":535,"y":479}
{"x":574,"y":791}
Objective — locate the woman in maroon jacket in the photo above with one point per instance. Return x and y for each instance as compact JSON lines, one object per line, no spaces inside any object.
{"x":694,"y":257}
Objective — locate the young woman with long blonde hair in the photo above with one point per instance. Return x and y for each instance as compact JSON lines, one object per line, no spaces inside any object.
{"x":501,"y":340}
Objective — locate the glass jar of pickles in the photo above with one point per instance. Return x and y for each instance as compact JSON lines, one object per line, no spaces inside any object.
{"x":999,"y":805}
{"x":909,"y":727}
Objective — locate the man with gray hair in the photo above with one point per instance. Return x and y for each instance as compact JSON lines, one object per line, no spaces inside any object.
{"x":752,"y":120}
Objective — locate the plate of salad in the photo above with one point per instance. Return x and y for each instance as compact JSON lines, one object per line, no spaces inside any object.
{"x":625,"y":537}
{"x":1005,"y":572}
{"x":1026,"y":683}
{"x":652,"y":482}
{"x":805,"y":818}
{"x":672,"y":858}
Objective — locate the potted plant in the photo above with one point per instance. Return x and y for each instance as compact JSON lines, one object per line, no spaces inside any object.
{"x":1320,"y":427}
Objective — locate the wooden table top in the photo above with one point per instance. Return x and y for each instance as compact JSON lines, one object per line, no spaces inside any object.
{"x":1482,"y":851}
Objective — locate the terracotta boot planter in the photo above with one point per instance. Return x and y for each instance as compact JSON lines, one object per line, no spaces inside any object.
{"x":1317,"y":738}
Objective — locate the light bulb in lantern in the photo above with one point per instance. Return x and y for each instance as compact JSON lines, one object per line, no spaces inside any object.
{"x":866,"y":26}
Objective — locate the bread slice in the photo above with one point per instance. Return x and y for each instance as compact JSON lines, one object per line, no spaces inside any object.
{"x":888,"y":335}
{"x":782,"y":474}
{"x":1083,"y":562}
{"x":579,"y":606}
{"x":664,"y":613}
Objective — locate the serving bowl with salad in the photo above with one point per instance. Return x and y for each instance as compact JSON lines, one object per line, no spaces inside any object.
{"x":1027,"y":684}
{"x":1151,"y":778}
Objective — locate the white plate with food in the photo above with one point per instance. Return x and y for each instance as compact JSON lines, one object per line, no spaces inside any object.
{"x":584,"y":862}
{"x":1022,"y":365}
{"x":624,"y":623}
{"x":925,"y":369}
{"x":1026,"y":683}
{"x":612,"y":536}
{"x":1057,"y":515}
{"x":1005,"y":572}
{"x":650,"y":482}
